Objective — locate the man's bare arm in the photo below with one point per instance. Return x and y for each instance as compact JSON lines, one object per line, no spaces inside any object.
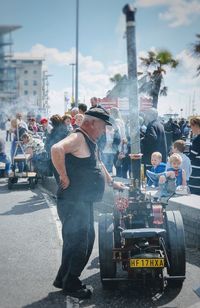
{"x":68,"y":145}
{"x":109,"y":179}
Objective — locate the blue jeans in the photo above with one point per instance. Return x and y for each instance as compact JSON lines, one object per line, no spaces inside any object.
{"x":4,"y":159}
{"x":78,"y":237}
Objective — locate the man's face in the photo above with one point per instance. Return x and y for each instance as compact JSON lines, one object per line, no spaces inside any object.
{"x":19,"y":116}
{"x":98,"y":128}
{"x":93,"y":102}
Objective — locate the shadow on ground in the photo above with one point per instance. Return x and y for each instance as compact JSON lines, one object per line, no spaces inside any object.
{"x":53,"y":300}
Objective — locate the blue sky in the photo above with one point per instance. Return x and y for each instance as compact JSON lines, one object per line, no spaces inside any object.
{"x":48,"y":30}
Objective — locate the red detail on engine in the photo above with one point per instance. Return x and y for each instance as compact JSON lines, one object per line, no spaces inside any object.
{"x":157,"y":214}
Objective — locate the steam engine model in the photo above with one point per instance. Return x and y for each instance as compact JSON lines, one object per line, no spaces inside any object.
{"x":145,"y":239}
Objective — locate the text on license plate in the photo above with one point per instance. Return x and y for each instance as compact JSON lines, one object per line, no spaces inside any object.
{"x":147,"y":262}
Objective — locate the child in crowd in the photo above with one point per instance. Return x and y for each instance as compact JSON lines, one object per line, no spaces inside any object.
{"x":174,"y":171}
{"x":157,"y":167}
{"x":67,"y":121}
{"x":179,"y":147}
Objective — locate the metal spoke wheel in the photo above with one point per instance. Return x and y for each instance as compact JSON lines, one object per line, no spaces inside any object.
{"x":176,"y":247}
{"x":106,"y":245}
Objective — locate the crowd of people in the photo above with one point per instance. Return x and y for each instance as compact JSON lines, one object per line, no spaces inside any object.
{"x":86,"y":148}
{"x":156,"y":136}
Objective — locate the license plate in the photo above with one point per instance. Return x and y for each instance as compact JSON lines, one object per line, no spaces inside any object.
{"x":136,"y":263}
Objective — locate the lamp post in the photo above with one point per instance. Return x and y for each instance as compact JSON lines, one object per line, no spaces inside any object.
{"x":77,"y":45}
{"x":72,"y":65}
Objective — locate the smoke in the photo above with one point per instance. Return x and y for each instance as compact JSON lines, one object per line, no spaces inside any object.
{"x":23,"y":105}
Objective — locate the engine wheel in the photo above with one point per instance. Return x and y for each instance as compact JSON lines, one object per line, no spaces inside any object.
{"x":12,"y":181}
{"x":32,"y":183}
{"x":106,"y":245}
{"x":176,"y":246}
{"x":10,"y":184}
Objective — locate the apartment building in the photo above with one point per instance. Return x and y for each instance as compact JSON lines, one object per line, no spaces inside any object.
{"x":29,"y":79}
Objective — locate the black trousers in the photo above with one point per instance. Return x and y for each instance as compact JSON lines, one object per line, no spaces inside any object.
{"x":78,"y":235}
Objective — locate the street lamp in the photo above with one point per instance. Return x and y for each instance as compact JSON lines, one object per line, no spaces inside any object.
{"x":77,"y":43}
{"x":72,"y":65}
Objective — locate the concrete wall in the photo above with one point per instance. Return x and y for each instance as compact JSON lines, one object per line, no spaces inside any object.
{"x":189,"y":206}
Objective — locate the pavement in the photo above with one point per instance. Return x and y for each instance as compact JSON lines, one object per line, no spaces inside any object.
{"x":30,"y":247}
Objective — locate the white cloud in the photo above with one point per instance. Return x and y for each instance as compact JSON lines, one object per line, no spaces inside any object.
{"x":178,"y":12}
{"x":51,"y":55}
{"x":94,"y":77}
{"x":181,"y":13}
{"x":187,"y":67}
{"x":147,"y":3}
{"x":55,"y":56}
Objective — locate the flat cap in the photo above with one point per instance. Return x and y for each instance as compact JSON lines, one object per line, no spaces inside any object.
{"x":100,"y":113}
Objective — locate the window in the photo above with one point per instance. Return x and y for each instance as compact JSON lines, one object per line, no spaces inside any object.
{"x":35,"y":82}
{"x":26,"y":82}
{"x":34,"y":72}
{"x":25,"y":92}
{"x":34,"y":92}
{"x":25,"y":72}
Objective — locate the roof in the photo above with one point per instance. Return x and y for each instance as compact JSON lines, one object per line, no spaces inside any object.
{"x":4,"y":29}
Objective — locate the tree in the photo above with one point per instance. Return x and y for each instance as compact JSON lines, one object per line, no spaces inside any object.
{"x":158,"y":61}
{"x":196,"y":51}
{"x":116,"y":78}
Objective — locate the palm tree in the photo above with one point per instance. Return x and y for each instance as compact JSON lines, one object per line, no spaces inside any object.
{"x":158,"y":61}
{"x":196,"y":51}
{"x":116,"y":78}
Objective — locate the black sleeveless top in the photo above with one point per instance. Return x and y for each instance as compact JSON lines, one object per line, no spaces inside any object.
{"x":87,"y":181}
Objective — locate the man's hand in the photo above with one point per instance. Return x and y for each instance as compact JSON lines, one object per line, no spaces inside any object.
{"x":64,"y":181}
{"x":119,"y":185}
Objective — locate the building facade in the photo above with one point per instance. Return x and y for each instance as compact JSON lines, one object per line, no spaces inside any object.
{"x":28,"y":80}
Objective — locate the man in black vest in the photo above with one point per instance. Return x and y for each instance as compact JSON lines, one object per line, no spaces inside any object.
{"x":82,"y":181}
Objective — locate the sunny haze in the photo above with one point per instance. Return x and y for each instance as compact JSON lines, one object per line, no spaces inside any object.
{"x":49,"y":31}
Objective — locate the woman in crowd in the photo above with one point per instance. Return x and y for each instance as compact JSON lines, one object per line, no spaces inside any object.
{"x":194,"y":155}
{"x":58,"y":132}
{"x":67,"y":122}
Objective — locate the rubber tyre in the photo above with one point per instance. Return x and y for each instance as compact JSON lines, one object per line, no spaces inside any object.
{"x":176,"y":246}
{"x":10,"y":184}
{"x":106,"y":245}
{"x":32,"y":183}
{"x":12,"y":181}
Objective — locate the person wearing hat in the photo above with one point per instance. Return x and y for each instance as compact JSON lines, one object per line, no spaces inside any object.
{"x":82,"y":181}
{"x":46,"y":126}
